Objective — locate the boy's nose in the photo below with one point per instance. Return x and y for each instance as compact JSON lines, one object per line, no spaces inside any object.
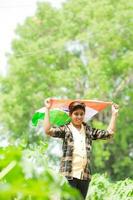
{"x":79,"y":116}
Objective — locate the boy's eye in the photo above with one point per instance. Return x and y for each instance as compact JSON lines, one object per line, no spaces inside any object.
{"x":81,"y":114}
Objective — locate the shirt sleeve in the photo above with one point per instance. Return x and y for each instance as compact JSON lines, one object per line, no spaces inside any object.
{"x":58,"y":132}
{"x":99,"y":134}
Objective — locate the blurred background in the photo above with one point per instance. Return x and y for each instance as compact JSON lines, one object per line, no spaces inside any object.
{"x":64,"y":49}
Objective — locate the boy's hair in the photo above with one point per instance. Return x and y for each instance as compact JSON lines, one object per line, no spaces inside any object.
{"x":76,"y":105}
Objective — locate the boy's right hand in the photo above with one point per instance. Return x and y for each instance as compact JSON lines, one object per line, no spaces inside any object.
{"x":48,"y":103}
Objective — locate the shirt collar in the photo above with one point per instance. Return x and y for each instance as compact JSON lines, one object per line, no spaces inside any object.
{"x":82,"y":130}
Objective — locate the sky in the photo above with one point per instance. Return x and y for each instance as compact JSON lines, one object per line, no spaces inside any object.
{"x":13,"y":12}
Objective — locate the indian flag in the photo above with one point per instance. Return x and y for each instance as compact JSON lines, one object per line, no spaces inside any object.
{"x":59,"y":112}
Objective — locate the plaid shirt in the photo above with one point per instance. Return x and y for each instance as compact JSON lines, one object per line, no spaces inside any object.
{"x":65,"y":133}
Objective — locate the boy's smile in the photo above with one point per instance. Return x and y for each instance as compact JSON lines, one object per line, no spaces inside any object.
{"x":77,"y":117}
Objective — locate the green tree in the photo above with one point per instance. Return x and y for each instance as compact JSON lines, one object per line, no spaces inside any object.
{"x":83,"y":50}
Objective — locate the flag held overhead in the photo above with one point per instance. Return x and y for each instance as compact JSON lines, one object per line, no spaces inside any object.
{"x":59,"y":112}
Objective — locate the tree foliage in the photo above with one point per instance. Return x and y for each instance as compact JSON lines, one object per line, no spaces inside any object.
{"x":83,"y":50}
{"x":103,"y":189}
{"x":33,"y":180}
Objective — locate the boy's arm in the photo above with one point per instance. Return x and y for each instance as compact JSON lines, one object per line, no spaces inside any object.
{"x":103,"y":134}
{"x":58,"y":132}
{"x":112,"y":123}
{"x":47,"y":125}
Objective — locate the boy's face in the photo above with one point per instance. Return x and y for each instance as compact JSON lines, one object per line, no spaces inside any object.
{"x":77,"y":117}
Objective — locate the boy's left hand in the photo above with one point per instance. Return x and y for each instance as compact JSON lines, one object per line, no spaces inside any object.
{"x":115,"y":109}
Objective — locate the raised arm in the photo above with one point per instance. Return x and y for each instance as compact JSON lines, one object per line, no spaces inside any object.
{"x":58,"y":132}
{"x":112,"y":123}
{"x":47,"y":125}
{"x":108,"y":133}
